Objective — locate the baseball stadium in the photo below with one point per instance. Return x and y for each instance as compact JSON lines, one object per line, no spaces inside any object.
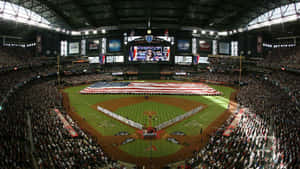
{"x":129,"y":84}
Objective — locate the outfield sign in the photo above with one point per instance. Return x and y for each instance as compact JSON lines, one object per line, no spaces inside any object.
{"x":117,"y":73}
{"x":180,"y":73}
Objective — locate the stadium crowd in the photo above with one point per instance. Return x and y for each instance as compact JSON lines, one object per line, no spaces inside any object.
{"x":11,"y":56}
{"x":85,"y":79}
{"x":283,"y":56}
{"x":28,"y":108}
{"x":14,"y":145}
{"x":266,"y":136}
{"x":17,"y":57}
{"x":14,"y":133}
{"x":286,"y":81}
{"x":49,"y":135}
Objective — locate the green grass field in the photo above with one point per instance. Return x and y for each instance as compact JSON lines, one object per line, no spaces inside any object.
{"x":108,"y":126}
{"x":163,"y":112}
{"x":141,"y":148}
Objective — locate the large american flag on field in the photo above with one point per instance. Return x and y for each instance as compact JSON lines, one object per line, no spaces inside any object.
{"x":175,"y":88}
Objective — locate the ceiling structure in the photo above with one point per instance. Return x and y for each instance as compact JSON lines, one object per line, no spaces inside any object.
{"x":219,"y":15}
{"x":289,"y":29}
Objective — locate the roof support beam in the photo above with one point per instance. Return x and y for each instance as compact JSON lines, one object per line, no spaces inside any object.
{"x":115,"y":11}
{"x":58,"y":11}
{"x":85,"y":13}
{"x":185,"y":12}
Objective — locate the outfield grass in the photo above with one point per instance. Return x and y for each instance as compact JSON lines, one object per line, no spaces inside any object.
{"x":216,"y":105}
{"x":82,"y":105}
{"x":164,"y":112}
{"x":141,"y":148}
{"x":107,"y":126}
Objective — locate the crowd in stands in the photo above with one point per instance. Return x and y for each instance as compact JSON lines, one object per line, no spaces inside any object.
{"x":289,"y":82}
{"x":224,"y":64}
{"x":123,"y":68}
{"x":85,"y":79}
{"x":288,"y":57}
{"x":268,"y":132}
{"x":16,"y":56}
{"x":11,"y":79}
{"x":267,"y":136}
{"x":14,"y":133}
{"x":11,"y":55}
{"x":14,"y":147}
{"x":77,"y":68}
{"x":216,"y":77}
{"x":53,"y":147}
{"x":284,"y":56}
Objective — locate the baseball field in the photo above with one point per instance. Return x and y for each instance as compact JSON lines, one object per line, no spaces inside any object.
{"x":175,"y":142}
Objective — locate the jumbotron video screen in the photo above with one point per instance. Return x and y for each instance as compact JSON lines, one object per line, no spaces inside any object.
{"x":149,"y":53}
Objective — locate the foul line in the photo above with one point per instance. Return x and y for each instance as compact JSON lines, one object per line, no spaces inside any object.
{"x":158,"y":127}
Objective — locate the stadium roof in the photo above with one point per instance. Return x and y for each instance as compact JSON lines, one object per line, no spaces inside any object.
{"x":134,"y":14}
